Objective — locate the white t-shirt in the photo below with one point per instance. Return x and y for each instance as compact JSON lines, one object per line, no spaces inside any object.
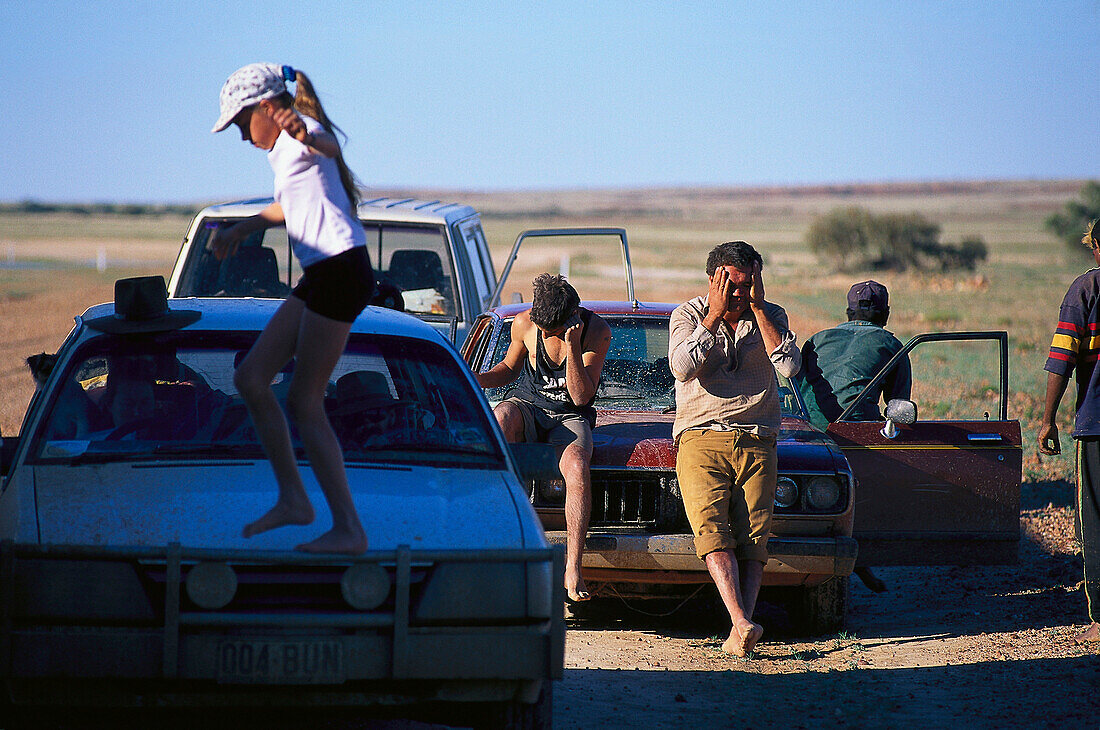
{"x":319,"y":219}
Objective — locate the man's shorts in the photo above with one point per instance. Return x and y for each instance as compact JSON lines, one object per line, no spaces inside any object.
{"x":338,"y":287}
{"x":558,"y":429}
{"x":727,"y":480}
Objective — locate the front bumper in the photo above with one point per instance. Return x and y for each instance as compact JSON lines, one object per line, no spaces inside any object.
{"x":632,"y":558}
{"x":178,"y":655}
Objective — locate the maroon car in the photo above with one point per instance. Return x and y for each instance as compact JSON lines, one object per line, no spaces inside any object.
{"x":911,"y":493}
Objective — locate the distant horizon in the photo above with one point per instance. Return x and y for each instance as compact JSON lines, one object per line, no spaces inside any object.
{"x":867,"y":186}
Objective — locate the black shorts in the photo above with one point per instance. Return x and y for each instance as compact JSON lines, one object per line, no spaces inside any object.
{"x":338,"y":287}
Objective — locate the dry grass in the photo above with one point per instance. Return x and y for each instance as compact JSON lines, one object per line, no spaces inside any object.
{"x":670,"y":232}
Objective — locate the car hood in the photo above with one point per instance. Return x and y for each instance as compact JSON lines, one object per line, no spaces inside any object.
{"x":207,"y":506}
{"x":644,"y":439}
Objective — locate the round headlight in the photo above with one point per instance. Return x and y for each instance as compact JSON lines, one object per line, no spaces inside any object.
{"x":552,"y":490}
{"x":211,"y":585}
{"x":365,"y":586}
{"x":823,"y":492}
{"x":786,"y":492}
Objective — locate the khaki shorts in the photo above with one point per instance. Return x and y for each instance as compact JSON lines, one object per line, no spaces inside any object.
{"x":727,"y":480}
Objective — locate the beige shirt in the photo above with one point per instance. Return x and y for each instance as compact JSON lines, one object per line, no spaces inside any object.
{"x":726,"y":380}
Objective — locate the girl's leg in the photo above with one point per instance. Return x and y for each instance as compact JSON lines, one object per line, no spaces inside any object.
{"x":321,"y":341}
{"x":272,"y":350}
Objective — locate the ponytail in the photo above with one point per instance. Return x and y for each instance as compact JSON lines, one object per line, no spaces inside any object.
{"x":306,"y":102}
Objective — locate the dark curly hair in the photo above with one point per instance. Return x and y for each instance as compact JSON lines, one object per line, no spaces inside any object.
{"x":553,"y":301}
{"x":733,"y":253}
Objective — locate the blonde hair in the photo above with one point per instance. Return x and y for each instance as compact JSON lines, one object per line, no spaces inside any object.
{"x":305,"y":101}
{"x":1092,"y":236}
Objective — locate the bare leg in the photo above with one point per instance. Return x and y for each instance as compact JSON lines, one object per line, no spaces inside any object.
{"x":511,"y":421}
{"x":321,"y":341}
{"x":744,"y":634}
{"x":574,"y":465}
{"x":272,"y":350}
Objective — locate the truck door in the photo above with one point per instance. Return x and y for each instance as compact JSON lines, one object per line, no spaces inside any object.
{"x":946,"y":489}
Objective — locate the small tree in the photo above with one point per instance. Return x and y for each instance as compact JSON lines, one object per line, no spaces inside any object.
{"x":1069,"y":225}
{"x":904,"y":238}
{"x":842,"y":235}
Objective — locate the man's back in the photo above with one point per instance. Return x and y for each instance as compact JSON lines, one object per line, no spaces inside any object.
{"x":838,"y":363}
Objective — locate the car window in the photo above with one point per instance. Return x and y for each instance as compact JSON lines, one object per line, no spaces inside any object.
{"x":473,"y":238}
{"x":956,"y":380}
{"x":635,"y":373}
{"x":417,"y":261}
{"x":390,"y":399}
{"x":262,"y":267}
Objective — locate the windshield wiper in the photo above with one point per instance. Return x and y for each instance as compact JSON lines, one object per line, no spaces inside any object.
{"x":207,"y":449}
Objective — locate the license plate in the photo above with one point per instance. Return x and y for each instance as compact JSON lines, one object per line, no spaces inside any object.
{"x":281,"y":662}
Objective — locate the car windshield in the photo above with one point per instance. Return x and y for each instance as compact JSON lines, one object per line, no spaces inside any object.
{"x":409,"y":260}
{"x":390,"y":399}
{"x":635,"y":374}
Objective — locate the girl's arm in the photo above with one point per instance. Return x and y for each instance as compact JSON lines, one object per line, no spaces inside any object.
{"x":320,"y":141}
{"x":225,"y":241}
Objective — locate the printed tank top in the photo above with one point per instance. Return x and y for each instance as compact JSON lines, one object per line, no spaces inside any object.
{"x":543,"y":385}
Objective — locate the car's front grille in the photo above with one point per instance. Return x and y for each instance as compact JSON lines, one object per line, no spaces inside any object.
{"x":283,"y":589}
{"x":640,"y":498}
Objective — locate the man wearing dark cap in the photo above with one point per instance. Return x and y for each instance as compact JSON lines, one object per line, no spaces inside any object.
{"x":838,"y":363}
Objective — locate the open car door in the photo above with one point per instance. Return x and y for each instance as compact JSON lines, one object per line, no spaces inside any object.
{"x":944,"y":490}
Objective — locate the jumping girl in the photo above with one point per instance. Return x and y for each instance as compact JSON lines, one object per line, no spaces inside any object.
{"x":316,"y":199}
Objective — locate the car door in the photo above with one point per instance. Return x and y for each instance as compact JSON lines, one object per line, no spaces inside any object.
{"x":944,"y":490}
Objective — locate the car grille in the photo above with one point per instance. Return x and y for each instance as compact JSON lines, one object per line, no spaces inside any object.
{"x":634,"y":498}
{"x":283,"y":589}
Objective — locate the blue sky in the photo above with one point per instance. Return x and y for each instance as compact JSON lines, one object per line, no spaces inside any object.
{"x":113,"y":101}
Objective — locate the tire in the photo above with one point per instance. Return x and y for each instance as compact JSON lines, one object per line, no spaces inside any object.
{"x":516,"y":715}
{"x":820,"y":609}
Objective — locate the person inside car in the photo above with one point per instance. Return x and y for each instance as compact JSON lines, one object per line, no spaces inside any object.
{"x":724,"y":350}
{"x":557,"y":352}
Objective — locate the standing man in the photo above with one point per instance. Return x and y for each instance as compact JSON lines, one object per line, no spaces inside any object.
{"x":838,"y":363}
{"x":1074,"y":349}
{"x":724,"y":350}
{"x":557,"y":351}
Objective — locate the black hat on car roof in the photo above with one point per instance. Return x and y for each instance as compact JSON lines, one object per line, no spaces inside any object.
{"x":141,"y":306}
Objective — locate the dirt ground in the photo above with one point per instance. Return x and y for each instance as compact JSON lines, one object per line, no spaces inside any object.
{"x":988,"y":646}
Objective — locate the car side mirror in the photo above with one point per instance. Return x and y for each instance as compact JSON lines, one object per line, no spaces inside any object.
{"x":7,"y":454}
{"x":898,"y":411}
{"x":536,"y":461}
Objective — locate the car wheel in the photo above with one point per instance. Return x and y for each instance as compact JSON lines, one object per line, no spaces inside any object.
{"x":820,"y":609}
{"x":516,"y":715}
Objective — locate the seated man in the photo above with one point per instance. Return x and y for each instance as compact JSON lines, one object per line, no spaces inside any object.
{"x":838,"y":363}
{"x":557,"y":352}
{"x":365,"y":414}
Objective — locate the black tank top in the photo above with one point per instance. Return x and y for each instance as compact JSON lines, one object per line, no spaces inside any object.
{"x":543,"y":385}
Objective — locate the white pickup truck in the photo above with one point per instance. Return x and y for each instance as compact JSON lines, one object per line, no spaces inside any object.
{"x":430,"y":259}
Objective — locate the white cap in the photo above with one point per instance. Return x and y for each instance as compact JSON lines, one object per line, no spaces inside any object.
{"x":250,"y":85}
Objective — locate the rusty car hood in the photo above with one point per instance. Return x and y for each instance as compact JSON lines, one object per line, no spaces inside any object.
{"x":644,"y":439}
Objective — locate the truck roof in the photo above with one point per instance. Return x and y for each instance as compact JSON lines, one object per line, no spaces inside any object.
{"x":248,"y":314}
{"x":406,"y":210}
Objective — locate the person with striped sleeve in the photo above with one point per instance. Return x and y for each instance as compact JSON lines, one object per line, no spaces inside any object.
{"x":1074,"y":349}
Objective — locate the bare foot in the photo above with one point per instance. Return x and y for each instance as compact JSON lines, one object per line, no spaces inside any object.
{"x":575,"y":590}
{"x":742,"y":641}
{"x":337,"y":541}
{"x":280,"y":515}
{"x":577,"y":596}
{"x":1089,"y":635}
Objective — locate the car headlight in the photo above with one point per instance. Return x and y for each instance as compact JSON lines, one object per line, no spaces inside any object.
{"x":823,"y":493}
{"x":786,"y":492}
{"x":551,"y":490}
